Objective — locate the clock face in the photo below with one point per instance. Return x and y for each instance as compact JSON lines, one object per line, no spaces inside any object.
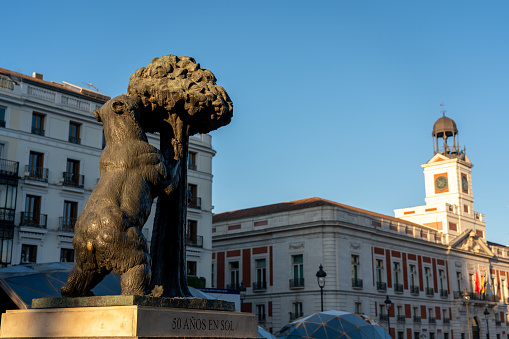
{"x":441,"y":183}
{"x":464,"y":183}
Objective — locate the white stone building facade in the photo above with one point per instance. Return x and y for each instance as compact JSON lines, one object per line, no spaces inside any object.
{"x":50,"y":144}
{"x":422,"y":260}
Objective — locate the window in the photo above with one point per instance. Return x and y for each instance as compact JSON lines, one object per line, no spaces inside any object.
{"x":35,"y":166}
{"x":430,"y":313}
{"x":355,"y":267}
{"x":74,"y":132}
{"x":234,"y":275}
{"x":379,"y":270}
{"x":446,"y":335}
{"x":381,"y":306}
{"x":445,"y":314}
{"x":212,"y":277}
{"x":298,"y":271}
{"x":399,"y":310}
{"x":104,"y":141}
{"x":192,"y":161}
{"x":192,"y":196}
{"x":397,"y":272}
{"x":70,"y":216}
{"x":28,"y":253}
{"x":37,"y":124}
{"x":431,"y":335}
{"x":297,"y":311}
{"x":72,"y":175}
{"x":32,"y":212}
{"x":401,"y":335}
{"x":192,"y":232}
{"x":2,"y":116}
{"x":260,"y":312}
{"x":191,"y":268}
{"x":465,"y":208}
{"x":416,"y":311}
{"x":8,"y":194}
{"x":417,"y":335}
{"x":358,"y":308}
{"x":261,"y":280}
{"x":66,"y":255}
{"x":472,"y":282}
{"x":458,"y":281}
{"x":427,"y":276}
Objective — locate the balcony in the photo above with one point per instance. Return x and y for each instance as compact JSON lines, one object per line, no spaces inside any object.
{"x":38,"y":131}
{"x":432,"y":320}
{"x":7,"y":215}
{"x":497,"y":323}
{"x":261,"y":317}
{"x":36,"y":173}
{"x":446,"y":321}
{"x":294,"y":316}
{"x":74,"y":140}
{"x":195,"y":240}
{"x":492,"y":298}
{"x":259,"y":286}
{"x":194,"y":202}
{"x":297,"y":283}
{"x":381,"y":286}
{"x":414,"y":290}
{"x":457,"y":295}
{"x":417,"y":319}
{"x":74,"y":180}
{"x":430,"y":291}
{"x":357,"y":283}
{"x":401,"y":318}
{"x":66,"y":224}
{"x":398,"y":288}
{"x":9,"y":168}
{"x":234,"y":286}
{"x":33,"y":219}
{"x":384,"y":317}
{"x":444,"y":294}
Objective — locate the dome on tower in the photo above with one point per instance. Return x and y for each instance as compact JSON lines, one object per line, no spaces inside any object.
{"x":444,"y":127}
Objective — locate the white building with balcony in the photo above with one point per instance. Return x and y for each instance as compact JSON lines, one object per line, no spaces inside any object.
{"x":50,"y":144}
{"x":422,"y":260}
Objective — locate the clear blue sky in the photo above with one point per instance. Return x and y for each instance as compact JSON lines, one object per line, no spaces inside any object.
{"x":334,"y":99}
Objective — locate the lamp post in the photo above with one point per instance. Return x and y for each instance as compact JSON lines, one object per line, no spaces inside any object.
{"x":242,"y":293}
{"x":486,"y":314}
{"x":466,"y":297}
{"x":388,"y":304}
{"x":320,"y":276}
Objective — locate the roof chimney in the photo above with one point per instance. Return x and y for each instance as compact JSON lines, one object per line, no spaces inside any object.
{"x":37,"y":75}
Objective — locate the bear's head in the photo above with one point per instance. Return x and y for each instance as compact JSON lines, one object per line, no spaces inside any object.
{"x":120,"y":117}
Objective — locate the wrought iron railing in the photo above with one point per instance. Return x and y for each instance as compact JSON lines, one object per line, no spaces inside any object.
{"x":66,"y":224}
{"x":259,"y":285}
{"x":234,"y":286}
{"x":356,"y":283}
{"x":38,"y":131}
{"x":195,"y":240}
{"x":75,"y":180}
{"x":297,"y":283}
{"x":444,"y":293}
{"x":74,"y":140}
{"x":33,"y":219}
{"x":417,"y":319}
{"x":36,"y":173}
{"x":194,"y":203}
{"x":457,"y":295}
{"x":432,"y":320}
{"x":7,"y":214}
{"x":294,"y":316}
{"x":384,"y":317}
{"x":401,"y":319}
{"x":9,"y":167}
{"x":414,"y":290}
{"x":381,"y":286}
{"x":398,"y":288}
{"x":446,"y":321}
{"x":430,"y":291}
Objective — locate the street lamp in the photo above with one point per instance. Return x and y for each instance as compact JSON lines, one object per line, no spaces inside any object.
{"x":388,"y":304}
{"x":466,"y":297}
{"x":242,"y":293}
{"x":486,"y":314}
{"x":320,"y":276}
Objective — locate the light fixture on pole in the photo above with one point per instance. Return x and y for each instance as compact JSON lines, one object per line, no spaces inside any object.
{"x":388,"y":304}
{"x":486,"y":314}
{"x":242,"y":293}
{"x":466,"y":297}
{"x":320,"y":276}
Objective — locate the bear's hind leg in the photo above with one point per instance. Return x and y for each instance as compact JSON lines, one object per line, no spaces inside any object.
{"x":81,"y":281}
{"x":136,"y":280}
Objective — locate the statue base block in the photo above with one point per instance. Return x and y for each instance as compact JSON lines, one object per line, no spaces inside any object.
{"x":132,"y":321}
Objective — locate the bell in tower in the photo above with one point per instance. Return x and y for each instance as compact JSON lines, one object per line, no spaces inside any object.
{"x":443,"y":129}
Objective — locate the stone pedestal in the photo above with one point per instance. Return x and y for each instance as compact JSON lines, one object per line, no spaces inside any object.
{"x":127,"y":321}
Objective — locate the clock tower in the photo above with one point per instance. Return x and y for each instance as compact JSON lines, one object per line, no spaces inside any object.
{"x":448,"y":186}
